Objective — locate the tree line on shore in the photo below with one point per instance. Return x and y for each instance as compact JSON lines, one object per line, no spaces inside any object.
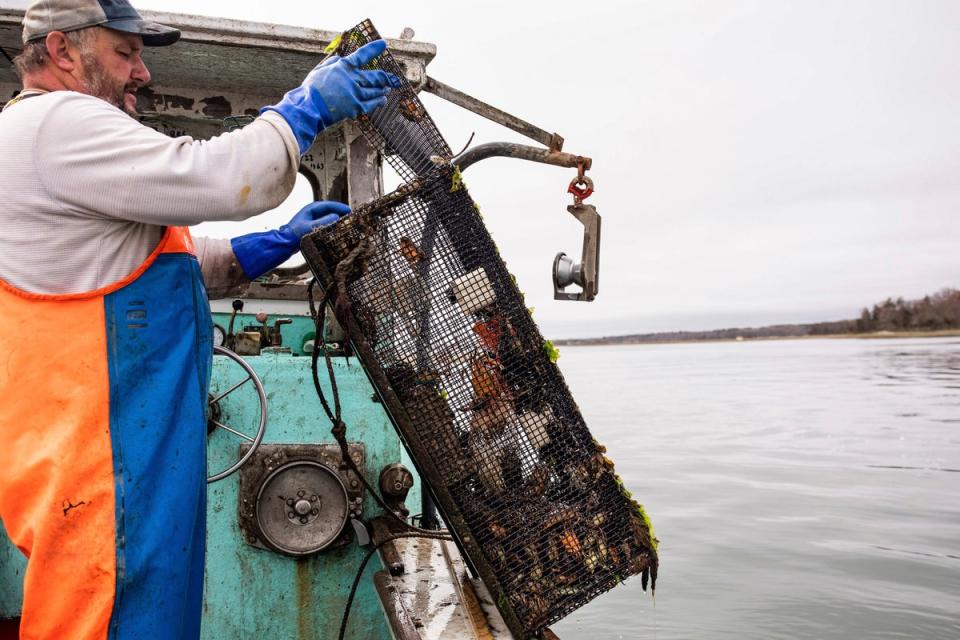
{"x":934,"y":312}
{"x":938,"y":311}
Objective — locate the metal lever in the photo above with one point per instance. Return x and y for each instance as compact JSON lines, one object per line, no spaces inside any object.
{"x":585,"y":274}
{"x":361,"y":532}
{"x":552,"y":141}
{"x":276,"y":339}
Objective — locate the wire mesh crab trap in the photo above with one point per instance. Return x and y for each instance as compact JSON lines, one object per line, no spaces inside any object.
{"x":443,"y":332}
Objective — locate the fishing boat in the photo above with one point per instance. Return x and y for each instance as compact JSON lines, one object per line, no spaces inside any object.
{"x":301,"y":539}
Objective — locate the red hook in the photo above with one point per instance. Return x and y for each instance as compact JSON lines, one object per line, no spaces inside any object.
{"x":579,"y":192}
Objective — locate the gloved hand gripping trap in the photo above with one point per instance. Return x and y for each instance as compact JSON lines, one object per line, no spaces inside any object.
{"x":443,"y":332}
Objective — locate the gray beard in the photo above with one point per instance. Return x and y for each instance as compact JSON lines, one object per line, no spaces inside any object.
{"x":97,"y":83}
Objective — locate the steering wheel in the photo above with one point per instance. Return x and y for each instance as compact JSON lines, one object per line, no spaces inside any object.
{"x":213,"y":413}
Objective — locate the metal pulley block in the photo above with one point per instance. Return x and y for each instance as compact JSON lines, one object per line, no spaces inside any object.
{"x":297,"y":500}
{"x":395,"y":483}
{"x":302,"y":508}
{"x":586,"y":273}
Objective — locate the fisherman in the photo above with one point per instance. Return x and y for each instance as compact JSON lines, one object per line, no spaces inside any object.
{"x":105,"y":328}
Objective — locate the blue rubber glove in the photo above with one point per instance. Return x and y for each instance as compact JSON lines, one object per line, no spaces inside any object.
{"x":258,"y":253}
{"x":338,"y":88}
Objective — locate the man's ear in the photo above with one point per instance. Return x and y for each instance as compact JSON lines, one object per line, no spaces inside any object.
{"x":62,"y":54}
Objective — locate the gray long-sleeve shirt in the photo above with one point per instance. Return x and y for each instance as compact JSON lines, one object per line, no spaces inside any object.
{"x":87,"y":191}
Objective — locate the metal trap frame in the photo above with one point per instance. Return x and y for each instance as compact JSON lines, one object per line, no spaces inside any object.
{"x":444,"y":335}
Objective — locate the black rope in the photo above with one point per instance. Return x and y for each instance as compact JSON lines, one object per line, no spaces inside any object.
{"x":318,"y":344}
{"x":339,"y":429}
{"x":313,"y":307}
{"x":363,"y":565}
{"x":355,"y":261}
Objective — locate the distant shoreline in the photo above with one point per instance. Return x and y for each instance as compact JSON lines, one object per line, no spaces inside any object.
{"x":636,"y":340}
{"x":934,"y":316}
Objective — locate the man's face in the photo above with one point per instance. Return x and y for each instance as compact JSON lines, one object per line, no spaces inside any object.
{"x":113,"y":69}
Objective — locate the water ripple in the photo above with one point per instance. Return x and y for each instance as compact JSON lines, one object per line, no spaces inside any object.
{"x":803,"y":489}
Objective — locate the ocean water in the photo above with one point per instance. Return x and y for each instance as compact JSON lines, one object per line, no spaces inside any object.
{"x":800,"y":489}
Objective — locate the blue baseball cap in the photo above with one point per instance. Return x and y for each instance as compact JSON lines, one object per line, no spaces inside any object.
{"x":44,"y":16}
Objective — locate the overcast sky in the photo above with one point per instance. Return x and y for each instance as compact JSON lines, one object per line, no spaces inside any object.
{"x":756,"y":161}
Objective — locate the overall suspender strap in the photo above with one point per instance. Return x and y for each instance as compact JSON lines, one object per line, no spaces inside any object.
{"x":23,"y":95}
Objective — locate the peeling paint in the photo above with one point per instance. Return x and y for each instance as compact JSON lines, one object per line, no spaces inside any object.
{"x":150,"y":100}
{"x":304,"y":600}
{"x":216,"y":107}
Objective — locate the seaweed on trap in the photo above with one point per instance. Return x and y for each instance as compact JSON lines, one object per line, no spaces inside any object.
{"x":443,"y":332}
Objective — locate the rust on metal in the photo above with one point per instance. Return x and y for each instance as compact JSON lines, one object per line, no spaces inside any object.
{"x":553,"y":141}
{"x":521,"y":152}
{"x":388,"y":552}
{"x":468,"y":597}
{"x":401,"y":623}
{"x":305,"y":599}
{"x":434,"y":598}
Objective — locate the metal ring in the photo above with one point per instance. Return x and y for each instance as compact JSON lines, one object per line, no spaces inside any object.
{"x":578,"y":192}
{"x":582,"y":180}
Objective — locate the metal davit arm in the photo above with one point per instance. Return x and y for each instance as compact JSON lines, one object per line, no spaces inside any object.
{"x":520,"y":152}
{"x":552,"y":141}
